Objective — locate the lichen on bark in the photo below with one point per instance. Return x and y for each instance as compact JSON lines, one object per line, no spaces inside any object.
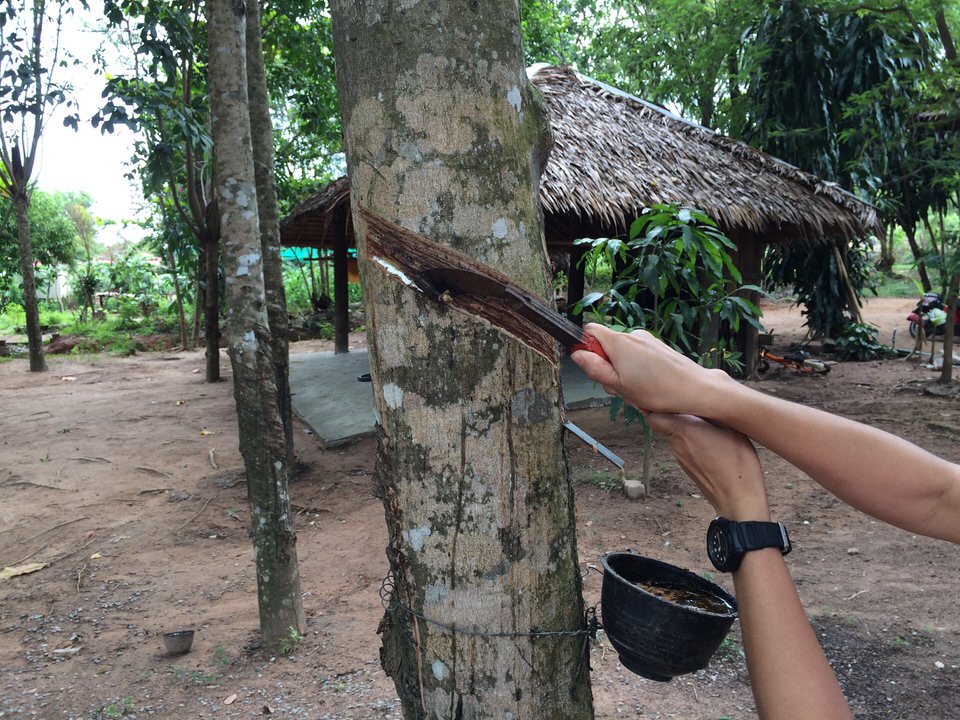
{"x":445,"y":136}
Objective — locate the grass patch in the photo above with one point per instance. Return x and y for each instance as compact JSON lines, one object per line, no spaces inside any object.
{"x":603,"y":479}
{"x":901,"y":282}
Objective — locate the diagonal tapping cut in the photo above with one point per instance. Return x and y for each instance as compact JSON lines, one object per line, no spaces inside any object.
{"x":421,"y":263}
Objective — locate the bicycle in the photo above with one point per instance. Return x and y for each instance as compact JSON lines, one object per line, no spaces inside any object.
{"x":797,"y":360}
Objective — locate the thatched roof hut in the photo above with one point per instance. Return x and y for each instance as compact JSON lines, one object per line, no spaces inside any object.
{"x":615,"y":154}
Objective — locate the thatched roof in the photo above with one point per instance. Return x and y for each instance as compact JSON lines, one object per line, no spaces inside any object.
{"x":317,"y":220}
{"x":615,"y":154}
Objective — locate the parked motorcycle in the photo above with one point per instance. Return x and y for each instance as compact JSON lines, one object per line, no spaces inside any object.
{"x":929,"y":305}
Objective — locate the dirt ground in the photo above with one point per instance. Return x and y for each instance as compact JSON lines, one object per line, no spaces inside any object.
{"x":123,"y":475}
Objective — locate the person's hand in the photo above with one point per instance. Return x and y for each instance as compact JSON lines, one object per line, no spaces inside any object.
{"x":650,"y":375}
{"x":722,"y":462}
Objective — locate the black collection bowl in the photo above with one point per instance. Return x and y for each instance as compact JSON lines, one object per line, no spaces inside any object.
{"x":656,"y":637}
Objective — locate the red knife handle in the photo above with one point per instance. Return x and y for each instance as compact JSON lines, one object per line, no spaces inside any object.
{"x":590,"y":344}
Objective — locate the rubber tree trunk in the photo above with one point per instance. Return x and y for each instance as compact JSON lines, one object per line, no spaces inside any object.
{"x":261,"y":128}
{"x":444,"y":135}
{"x":21,"y":203}
{"x":262,"y":441}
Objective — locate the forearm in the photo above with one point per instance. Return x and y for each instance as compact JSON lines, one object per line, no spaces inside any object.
{"x":789,"y":674}
{"x":874,"y":471}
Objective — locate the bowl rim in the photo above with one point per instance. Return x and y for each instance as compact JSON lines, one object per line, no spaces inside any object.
{"x":178,"y":633}
{"x":713,"y":588}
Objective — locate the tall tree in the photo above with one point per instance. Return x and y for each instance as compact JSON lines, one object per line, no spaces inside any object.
{"x":261,"y":131}
{"x":163,"y":97}
{"x":30,"y":55}
{"x":445,"y":135}
{"x":262,"y":440}
{"x":298,"y":59}
{"x":686,"y":55}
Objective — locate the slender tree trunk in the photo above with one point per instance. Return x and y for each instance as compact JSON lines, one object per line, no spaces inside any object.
{"x":261,"y":130}
{"x":200,"y":297}
{"x":21,"y":203}
{"x":211,"y":302}
{"x":445,"y":135}
{"x":946,"y":373}
{"x":946,"y":37}
{"x":886,"y":260}
{"x":911,"y":234}
{"x":178,"y":296}
{"x":262,"y":440}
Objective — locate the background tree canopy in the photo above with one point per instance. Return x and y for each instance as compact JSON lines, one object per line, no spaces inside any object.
{"x":53,"y":234}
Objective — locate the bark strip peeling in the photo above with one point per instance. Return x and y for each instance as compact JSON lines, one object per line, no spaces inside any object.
{"x":411,"y":253}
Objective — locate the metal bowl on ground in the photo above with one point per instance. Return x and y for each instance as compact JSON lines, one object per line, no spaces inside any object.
{"x":178,"y":642}
{"x":662,"y":620}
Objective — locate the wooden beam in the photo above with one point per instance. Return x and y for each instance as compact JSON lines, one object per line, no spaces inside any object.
{"x":341,"y":292}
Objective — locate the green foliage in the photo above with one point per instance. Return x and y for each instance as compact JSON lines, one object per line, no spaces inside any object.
{"x":112,"y":711}
{"x":858,"y":341}
{"x":555,"y":31}
{"x":12,"y":318}
{"x":52,"y":234}
{"x":813,"y":275}
{"x":687,"y":55}
{"x":602,"y":479}
{"x":677,"y":277}
{"x":288,"y":643}
{"x":794,"y":117}
{"x":896,"y":285}
{"x":298,"y":61}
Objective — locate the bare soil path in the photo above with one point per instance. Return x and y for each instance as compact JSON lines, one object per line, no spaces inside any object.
{"x":123,"y":476}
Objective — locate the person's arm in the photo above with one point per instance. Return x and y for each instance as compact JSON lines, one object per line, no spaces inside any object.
{"x":789,"y":674}
{"x":874,"y":471}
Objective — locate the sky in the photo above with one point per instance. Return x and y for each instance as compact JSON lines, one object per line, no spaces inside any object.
{"x":87,"y":160}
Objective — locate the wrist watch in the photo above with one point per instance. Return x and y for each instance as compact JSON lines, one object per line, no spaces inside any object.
{"x":728,"y":541}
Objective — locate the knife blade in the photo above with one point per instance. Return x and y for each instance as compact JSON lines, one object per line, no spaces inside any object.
{"x":436,"y":281}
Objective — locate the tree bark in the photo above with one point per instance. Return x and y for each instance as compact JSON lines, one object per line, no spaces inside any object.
{"x":261,"y":131}
{"x":946,"y":372}
{"x":211,"y":302}
{"x":262,"y":441}
{"x":911,"y":235}
{"x":946,"y":37}
{"x":445,"y":135}
{"x":21,"y":203}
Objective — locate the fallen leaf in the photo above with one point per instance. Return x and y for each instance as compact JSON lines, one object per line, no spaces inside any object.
{"x":230,"y":699}
{"x":181,"y":402}
{"x":9,"y":572}
{"x":206,"y":432}
{"x":96,"y":556}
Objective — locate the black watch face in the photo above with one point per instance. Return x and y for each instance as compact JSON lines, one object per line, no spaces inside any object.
{"x":718,"y":547}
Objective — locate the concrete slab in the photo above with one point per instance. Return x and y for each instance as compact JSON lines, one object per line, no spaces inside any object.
{"x":338,"y":408}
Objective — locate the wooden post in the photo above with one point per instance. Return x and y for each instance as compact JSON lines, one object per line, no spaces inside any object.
{"x":845,"y":277}
{"x":575,"y":282}
{"x":750,"y":253}
{"x":341,"y":294}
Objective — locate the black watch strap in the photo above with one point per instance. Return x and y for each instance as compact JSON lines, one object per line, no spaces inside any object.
{"x":728,"y":541}
{"x":757,"y":535}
